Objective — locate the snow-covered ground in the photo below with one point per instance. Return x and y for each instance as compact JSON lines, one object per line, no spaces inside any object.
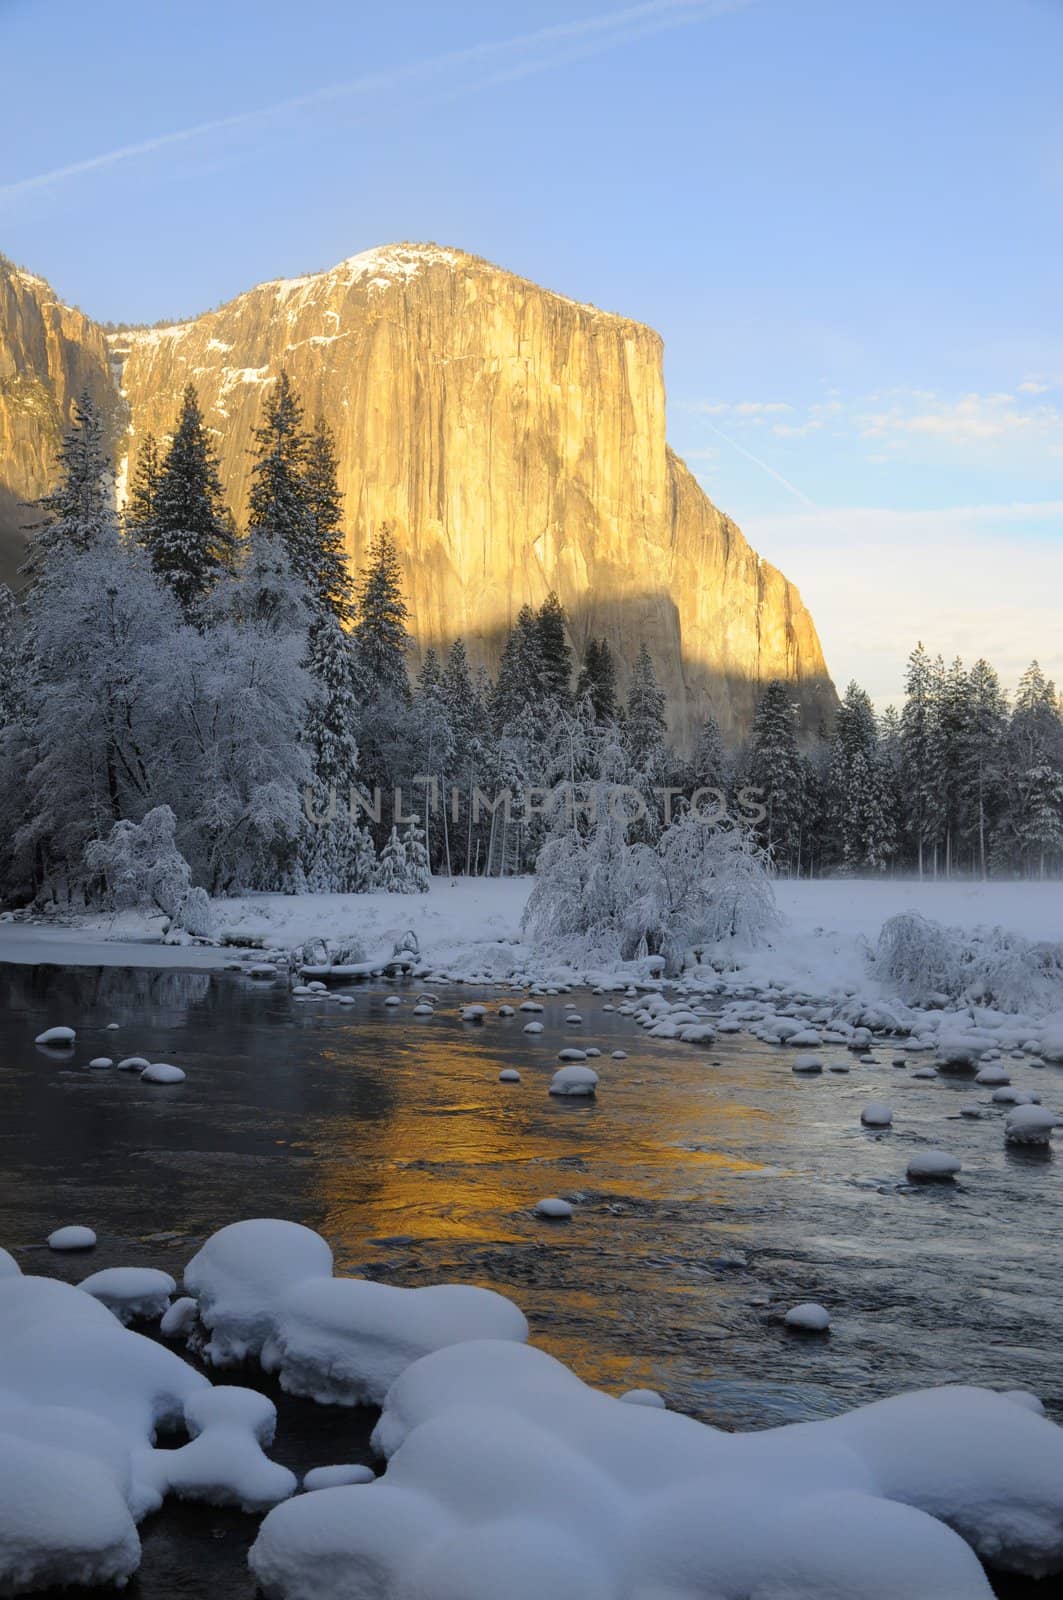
{"x":820,"y":947}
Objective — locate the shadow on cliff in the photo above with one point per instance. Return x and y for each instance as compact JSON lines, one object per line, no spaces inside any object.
{"x":696,"y":687}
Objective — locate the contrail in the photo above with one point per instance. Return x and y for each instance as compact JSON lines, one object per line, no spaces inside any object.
{"x":583,"y":37}
{"x":798,"y":494}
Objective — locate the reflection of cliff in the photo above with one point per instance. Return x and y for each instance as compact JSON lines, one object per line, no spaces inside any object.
{"x":516,"y":442}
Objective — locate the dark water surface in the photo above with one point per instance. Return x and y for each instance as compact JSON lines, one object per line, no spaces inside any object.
{"x":709,"y":1197}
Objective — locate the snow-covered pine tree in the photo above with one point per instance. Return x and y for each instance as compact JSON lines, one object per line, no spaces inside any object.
{"x":645,"y":729}
{"x":982,"y":759}
{"x":774,"y":768}
{"x":392,"y":867}
{"x":140,"y":502}
{"x":418,"y":870}
{"x":381,"y":640}
{"x":597,"y":680}
{"x":80,"y":511}
{"x":339,"y":857}
{"x":12,"y":659}
{"x":1029,"y":836}
{"x":518,"y":686}
{"x":330,"y":583}
{"x":920,"y":752}
{"x":188,"y":535}
{"x":279,"y":506}
{"x":552,"y":626}
{"x":710,"y":766}
{"x":859,"y":788}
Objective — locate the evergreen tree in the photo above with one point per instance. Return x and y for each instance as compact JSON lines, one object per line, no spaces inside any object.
{"x":919,"y":754}
{"x":860,"y":788}
{"x":280,"y":506}
{"x":188,"y":535}
{"x":710,"y":767}
{"x":392,"y":869}
{"x":776,"y":770}
{"x":597,"y":680}
{"x":330,"y":581}
{"x":140,"y":504}
{"x":418,"y":869}
{"x":380,"y":638}
{"x":982,"y":760}
{"x":1029,"y":836}
{"x":645,"y":729}
{"x":521,"y":673}
{"x":79,"y":513}
{"x":556,"y":654}
{"x":12,"y":659}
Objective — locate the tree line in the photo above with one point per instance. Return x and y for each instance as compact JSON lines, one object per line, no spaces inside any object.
{"x":247,"y":679}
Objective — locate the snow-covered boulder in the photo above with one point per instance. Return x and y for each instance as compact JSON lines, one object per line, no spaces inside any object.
{"x":931,"y":1165}
{"x":645,"y":1397}
{"x":807,"y":1063}
{"x":509,"y":1075}
{"x":9,"y":1267}
{"x":555,"y":1209}
{"x":62,"y":1037}
{"x":507,"y":1476}
{"x":574,"y":1081}
{"x":266,"y":1291}
{"x":1030,"y":1124}
{"x":131,"y":1292}
{"x":162,"y":1072}
{"x":809,"y":1317}
{"x":334,"y":1477}
{"x":876,"y":1115}
{"x":72,"y":1237}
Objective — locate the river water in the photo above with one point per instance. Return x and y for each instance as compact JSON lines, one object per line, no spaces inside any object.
{"x":713,"y":1189}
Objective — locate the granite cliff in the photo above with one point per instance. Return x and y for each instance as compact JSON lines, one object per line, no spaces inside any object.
{"x":513,"y":439}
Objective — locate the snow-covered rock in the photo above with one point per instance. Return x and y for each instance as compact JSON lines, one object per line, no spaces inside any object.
{"x":574,"y":1081}
{"x":533,"y":1027}
{"x":334,"y":1477}
{"x":876,"y":1115}
{"x":56,"y":1036}
{"x":266,"y":1291}
{"x":179,"y":1320}
{"x":509,"y":1075}
{"x":162,"y":1072}
{"x":1030,"y":1124}
{"x":133,"y":1064}
{"x":131,"y":1292}
{"x":809,"y":1317}
{"x":9,"y":1267}
{"x":807,"y":1064}
{"x":101,"y":1063}
{"x":555,"y":1209}
{"x":508,"y":1477}
{"x":933,"y":1164}
{"x":72,"y":1237}
{"x":645,"y":1397}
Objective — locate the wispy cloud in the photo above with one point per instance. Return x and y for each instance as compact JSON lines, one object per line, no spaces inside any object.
{"x":492,"y":63}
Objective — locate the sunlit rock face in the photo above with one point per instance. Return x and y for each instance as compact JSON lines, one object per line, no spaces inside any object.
{"x":515,"y":441}
{"x":49,"y":353}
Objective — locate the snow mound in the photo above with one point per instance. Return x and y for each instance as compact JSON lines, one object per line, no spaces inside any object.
{"x":931,"y":1164}
{"x":876,"y":1115}
{"x":333,"y":1477}
{"x":72,"y":1237}
{"x":162,"y":1072}
{"x":131,"y":1292}
{"x":574,"y":1081}
{"x":508,"y":1476}
{"x":556,"y":1209}
{"x":809,"y":1317}
{"x":9,"y":1267}
{"x":1030,"y":1124}
{"x":59,"y":1522}
{"x":266,"y":1291}
{"x":53,"y":1036}
{"x":509,"y":1075}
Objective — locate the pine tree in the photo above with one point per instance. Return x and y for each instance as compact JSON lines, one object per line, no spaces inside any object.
{"x":556,"y":655}
{"x":1029,"y":835}
{"x":418,"y":869}
{"x":775,"y":769}
{"x":597,"y":680}
{"x":982,"y":759}
{"x":521,"y":673}
{"x":860,"y":789}
{"x":710,"y":767}
{"x":280,"y":506}
{"x":330,"y":581}
{"x":140,"y":505}
{"x":380,"y":638}
{"x":645,"y":729}
{"x":919,"y":753}
{"x":188,"y":535}
{"x":393,"y":868}
{"x":79,"y":513}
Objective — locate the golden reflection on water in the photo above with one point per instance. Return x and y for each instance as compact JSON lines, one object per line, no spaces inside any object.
{"x":451,"y":1162}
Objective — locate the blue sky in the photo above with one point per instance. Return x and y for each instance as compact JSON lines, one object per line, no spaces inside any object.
{"x":844,"y":216}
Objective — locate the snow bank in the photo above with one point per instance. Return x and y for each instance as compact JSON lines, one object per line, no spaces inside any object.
{"x":266,"y":1291}
{"x":508,"y":1476}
